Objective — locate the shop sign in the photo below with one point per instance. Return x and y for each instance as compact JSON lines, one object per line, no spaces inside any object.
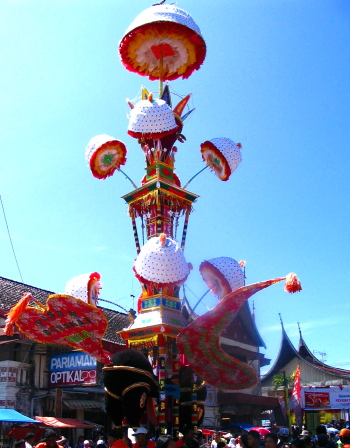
{"x":333,"y":397}
{"x":72,"y":369}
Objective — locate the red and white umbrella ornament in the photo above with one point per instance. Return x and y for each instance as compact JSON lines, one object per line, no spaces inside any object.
{"x":164,"y":43}
{"x":222,"y":156}
{"x":104,"y":155}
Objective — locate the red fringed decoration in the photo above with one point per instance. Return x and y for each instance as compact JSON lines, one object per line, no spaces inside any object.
{"x":292,"y":283}
{"x":16,"y":312}
{"x":162,"y":50}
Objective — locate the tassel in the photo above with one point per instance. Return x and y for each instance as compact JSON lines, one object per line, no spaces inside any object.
{"x":162,"y":239}
{"x":292,"y":283}
{"x":16,"y":312}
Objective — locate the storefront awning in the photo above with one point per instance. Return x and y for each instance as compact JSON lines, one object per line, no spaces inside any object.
{"x":83,"y":404}
{"x":10,"y":415}
{"x":63,"y":422}
{"x":96,"y":425}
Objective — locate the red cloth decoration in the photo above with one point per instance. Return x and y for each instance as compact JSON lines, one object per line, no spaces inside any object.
{"x":225,"y":372}
{"x":64,"y":320}
{"x":162,"y":50}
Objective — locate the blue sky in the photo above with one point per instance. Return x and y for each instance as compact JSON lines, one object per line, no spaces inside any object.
{"x":276,"y":78}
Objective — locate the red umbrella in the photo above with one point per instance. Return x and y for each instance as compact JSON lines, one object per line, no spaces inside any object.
{"x":261,"y":430}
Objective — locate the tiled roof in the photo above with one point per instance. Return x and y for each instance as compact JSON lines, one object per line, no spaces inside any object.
{"x":11,"y":291}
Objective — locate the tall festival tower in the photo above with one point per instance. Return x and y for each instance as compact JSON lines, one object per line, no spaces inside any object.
{"x":163,"y":43}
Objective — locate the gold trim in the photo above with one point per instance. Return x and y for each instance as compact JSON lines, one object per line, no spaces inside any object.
{"x":153,"y":181}
{"x":136,"y":385}
{"x":132,"y":369}
{"x":164,"y":296}
{"x":185,"y":389}
{"x":111,"y":394}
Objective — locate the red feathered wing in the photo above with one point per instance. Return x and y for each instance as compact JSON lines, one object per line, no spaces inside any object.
{"x":199,"y":342}
{"x":64,"y":320}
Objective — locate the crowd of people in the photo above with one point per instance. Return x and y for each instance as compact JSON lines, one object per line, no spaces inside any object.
{"x":283,"y":438}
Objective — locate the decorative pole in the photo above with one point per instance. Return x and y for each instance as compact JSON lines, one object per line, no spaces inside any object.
{"x":134,"y":229}
{"x":161,"y":378}
{"x":194,"y":403}
{"x":176,"y":399}
{"x":184,"y":232}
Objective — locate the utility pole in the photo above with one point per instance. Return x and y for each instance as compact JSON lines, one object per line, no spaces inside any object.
{"x":323,"y":360}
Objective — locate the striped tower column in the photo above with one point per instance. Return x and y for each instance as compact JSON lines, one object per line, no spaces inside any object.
{"x":134,"y":229}
{"x":161,"y":379}
{"x":194,"y":403}
{"x":176,"y":401}
{"x":184,"y":232}
{"x":159,"y":216}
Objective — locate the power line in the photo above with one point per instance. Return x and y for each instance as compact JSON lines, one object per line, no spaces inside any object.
{"x":8,"y":231}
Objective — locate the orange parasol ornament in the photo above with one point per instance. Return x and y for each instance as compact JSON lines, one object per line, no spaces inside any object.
{"x":163,"y":42}
{"x":104,"y":155}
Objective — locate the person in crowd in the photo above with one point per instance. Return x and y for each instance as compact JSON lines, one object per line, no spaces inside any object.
{"x":238,"y":442}
{"x":298,"y":443}
{"x":253,"y":439}
{"x":321,"y":429}
{"x":271,"y":440}
{"x":201,"y":440}
{"x":216,"y":440}
{"x":262,"y":440}
{"x":308,"y":441}
{"x":344,"y":436}
{"x":115,"y":439}
{"x":244,"y":440}
{"x":165,"y":442}
{"x":232,"y":442}
{"x":101,"y":443}
{"x":187,"y":436}
{"x":63,"y":442}
{"x":20,"y":443}
{"x":142,"y":440}
{"x":322,"y":441}
{"x":283,"y":437}
{"x":221,"y":444}
{"x":29,"y":440}
{"x":305,"y":432}
{"x":338,"y":442}
{"x":49,"y":440}
{"x":80,"y":442}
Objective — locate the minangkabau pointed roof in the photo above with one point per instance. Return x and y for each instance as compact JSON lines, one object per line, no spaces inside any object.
{"x":308,"y":356}
{"x":287,"y":352}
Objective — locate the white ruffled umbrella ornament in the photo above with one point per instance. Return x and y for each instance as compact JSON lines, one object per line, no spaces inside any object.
{"x":164,"y":43}
{"x":222,"y":155}
{"x":85,"y":287}
{"x":161,"y":263}
{"x":104,"y":155}
{"x":222,"y":275}
{"x":151,"y":119}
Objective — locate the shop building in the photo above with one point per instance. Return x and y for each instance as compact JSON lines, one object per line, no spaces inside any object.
{"x":316,"y":377}
{"x":52,"y":380}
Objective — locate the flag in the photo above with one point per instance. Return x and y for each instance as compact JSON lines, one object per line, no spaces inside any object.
{"x":295,"y":402}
